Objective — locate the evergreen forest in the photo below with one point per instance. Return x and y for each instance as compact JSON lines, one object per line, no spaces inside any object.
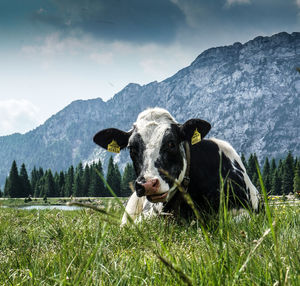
{"x":280,"y":178}
{"x":79,"y":181}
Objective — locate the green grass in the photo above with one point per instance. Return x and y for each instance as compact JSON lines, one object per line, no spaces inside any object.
{"x":19,"y":202}
{"x":52,"y":247}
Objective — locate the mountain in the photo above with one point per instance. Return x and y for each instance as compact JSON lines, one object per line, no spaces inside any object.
{"x":250,"y":93}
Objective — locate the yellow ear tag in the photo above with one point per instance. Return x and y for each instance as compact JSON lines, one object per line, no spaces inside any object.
{"x":113,"y":147}
{"x":196,"y":137}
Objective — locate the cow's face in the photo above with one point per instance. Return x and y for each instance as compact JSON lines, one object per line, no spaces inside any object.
{"x":156,"y":143}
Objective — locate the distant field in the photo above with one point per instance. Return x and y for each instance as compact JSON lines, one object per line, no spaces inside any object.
{"x":11,"y":202}
{"x":85,"y":247}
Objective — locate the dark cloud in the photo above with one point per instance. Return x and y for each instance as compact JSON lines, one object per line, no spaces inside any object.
{"x":252,"y":14}
{"x":215,"y":22}
{"x":130,"y":20}
{"x":149,"y":21}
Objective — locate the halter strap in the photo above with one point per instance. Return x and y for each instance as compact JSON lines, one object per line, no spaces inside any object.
{"x":186,"y":179}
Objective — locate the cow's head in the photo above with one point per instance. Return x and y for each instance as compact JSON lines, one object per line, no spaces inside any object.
{"x":155,"y":143}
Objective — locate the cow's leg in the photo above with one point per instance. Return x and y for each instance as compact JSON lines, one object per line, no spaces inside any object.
{"x":133,"y":208}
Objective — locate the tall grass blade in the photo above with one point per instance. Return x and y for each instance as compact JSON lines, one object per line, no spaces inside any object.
{"x":270,"y":221}
{"x":243,"y":267}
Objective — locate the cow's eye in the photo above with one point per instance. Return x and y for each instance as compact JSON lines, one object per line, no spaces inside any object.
{"x":171,"y":145}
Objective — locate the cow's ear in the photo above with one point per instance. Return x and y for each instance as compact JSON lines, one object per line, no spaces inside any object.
{"x":194,"y":130}
{"x":112,"y":139}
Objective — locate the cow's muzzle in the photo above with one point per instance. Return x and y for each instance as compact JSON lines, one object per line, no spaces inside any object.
{"x":147,"y":188}
{"x":150,"y":189}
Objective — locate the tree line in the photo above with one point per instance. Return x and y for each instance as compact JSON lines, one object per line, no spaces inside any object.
{"x":279,"y":178}
{"x":79,"y":181}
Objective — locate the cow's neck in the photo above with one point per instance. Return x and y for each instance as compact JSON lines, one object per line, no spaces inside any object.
{"x":175,"y":202}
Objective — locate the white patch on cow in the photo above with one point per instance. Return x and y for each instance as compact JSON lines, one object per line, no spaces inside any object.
{"x":133,"y":208}
{"x":228,"y":150}
{"x":150,"y":210}
{"x":152,"y":124}
{"x":139,"y":208}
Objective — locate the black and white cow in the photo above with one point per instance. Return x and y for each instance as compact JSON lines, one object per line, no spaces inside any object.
{"x":157,"y":142}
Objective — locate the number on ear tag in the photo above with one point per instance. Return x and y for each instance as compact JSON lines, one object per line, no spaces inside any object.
{"x":196,"y":137}
{"x":113,"y":147}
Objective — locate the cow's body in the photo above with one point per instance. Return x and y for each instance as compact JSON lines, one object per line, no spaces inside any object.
{"x":156,"y":143}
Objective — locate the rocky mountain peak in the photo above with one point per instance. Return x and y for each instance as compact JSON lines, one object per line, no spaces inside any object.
{"x":250,"y":93}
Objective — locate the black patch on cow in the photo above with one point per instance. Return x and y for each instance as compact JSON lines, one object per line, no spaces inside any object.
{"x":136,"y":150}
{"x":234,"y":182}
{"x":170,"y":157}
{"x":204,"y":186}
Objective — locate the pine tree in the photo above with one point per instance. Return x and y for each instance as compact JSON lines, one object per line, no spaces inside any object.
{"x":49,"y":190}
{"x":15,"y":185}
{"x":297,"y":178}
{"x":273,"y":167}
{"x":244,"y":161}
{"x":110,"y":177}
{"x":86,"y":181}
{"x":61,"y":184}
{"x":1,"y":194}
{"x":280,"y":168}
{"x":6,"y":187}
{"x":96,"y":186}
{"x":56,"y":184}
{"x":37,"y":182}
{"x":79,"y":169}
{"x":77,"y":185}
{"x":252,"y":166}
{"x":93,"y":182}
{"x":40,"y":189}
{"x":100,"y":187}
{"x":276,"y":183}
{"x":295,"y":163}
{"x":26,"y":187}
{"x":288,"y":174}
{"x":69,"y":182}
{"x":34,"y":178}
{"x":266,"y":175}
{"x":117,"y":181}
{"x":128,"y":176}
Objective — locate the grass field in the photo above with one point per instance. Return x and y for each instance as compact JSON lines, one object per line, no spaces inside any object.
{"x":86,"y":247}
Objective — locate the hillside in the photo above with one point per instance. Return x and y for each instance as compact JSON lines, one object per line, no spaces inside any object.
{"x":250,"y":93}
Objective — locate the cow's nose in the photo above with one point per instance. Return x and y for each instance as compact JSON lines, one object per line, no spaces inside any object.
{"x":151,"y":186}
{"x":147,"y":188}
{"x":139,"y":188}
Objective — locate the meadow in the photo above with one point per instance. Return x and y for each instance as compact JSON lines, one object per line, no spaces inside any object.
{"x":88,"y":247}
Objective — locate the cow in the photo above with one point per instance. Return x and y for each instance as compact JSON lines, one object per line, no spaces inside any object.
{"x":166,"y":154}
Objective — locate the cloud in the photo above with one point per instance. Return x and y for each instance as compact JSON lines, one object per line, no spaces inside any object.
{"x":236,"y":20}
{"x":298,"y":3}
{"x":124,"y":20}
{"x":102,"y":58}
{"x":55,"y":44}
{"x":17,"y":116}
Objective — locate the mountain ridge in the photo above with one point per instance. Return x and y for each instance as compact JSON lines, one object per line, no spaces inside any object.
{"x":249,"y":92}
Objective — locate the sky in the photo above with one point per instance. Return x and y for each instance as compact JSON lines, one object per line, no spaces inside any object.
{"x":53,"y":52}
